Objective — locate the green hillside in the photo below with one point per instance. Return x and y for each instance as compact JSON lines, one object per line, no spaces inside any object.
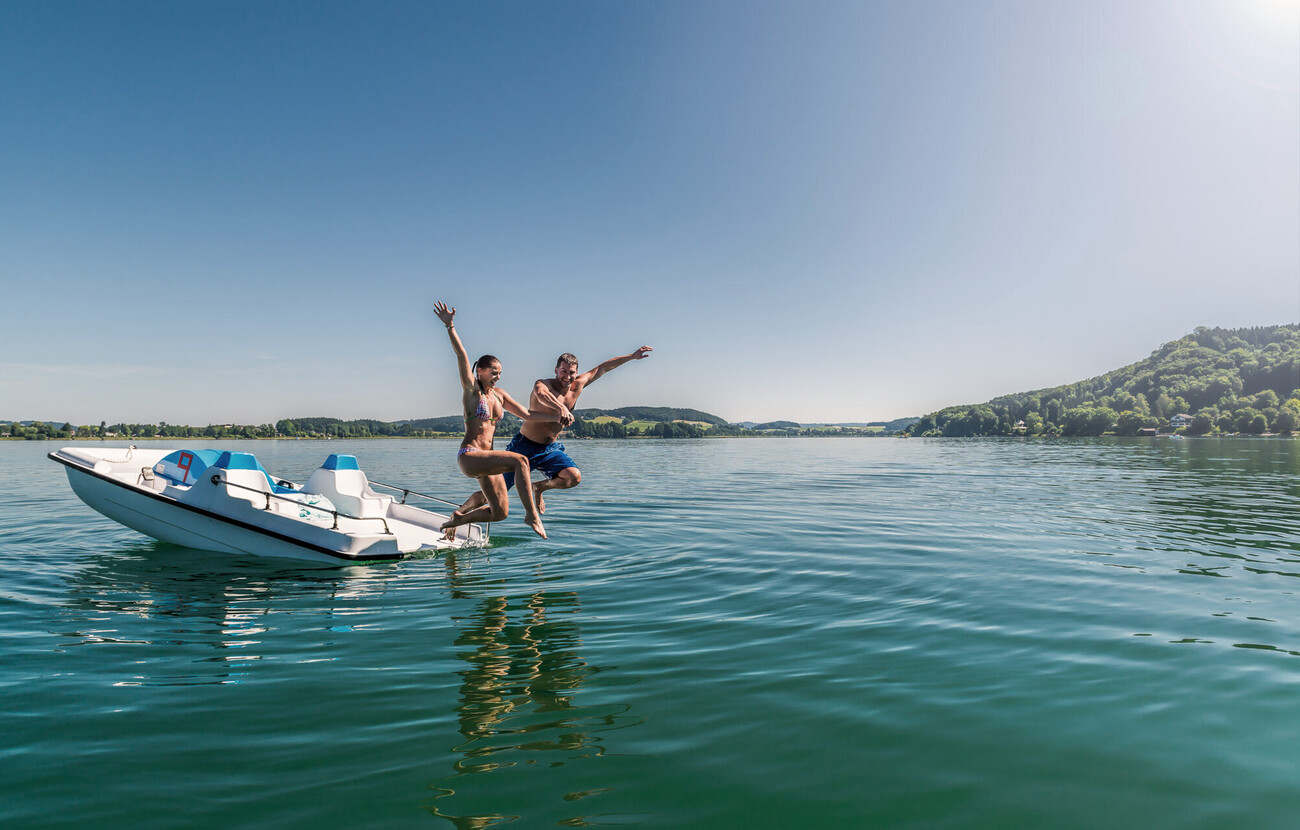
{"x":1225,"y":380}
{"x":775,"y":425}
{"x":654,"y":414}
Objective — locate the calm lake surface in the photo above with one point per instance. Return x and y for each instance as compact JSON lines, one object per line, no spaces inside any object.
{"x":748,"y":633}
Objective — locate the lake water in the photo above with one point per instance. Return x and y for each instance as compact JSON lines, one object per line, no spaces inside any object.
{"x":747,"y":633}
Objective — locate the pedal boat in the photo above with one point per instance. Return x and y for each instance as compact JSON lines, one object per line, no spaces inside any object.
{"x":227,"y":502}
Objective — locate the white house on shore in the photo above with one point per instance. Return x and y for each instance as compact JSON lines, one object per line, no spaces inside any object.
{"x":1181,"y":420}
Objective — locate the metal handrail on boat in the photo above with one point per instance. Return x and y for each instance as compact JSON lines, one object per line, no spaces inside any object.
{"x":217,"y":479}
{"x":406,"y":491}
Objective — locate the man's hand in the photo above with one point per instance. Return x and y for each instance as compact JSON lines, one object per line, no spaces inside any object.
{"x":642,"y":353}
{"x":566,"y":417}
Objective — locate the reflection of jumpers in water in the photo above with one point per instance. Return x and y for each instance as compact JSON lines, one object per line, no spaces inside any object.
{"x":519,"y":685}
{"x":512,"y":664}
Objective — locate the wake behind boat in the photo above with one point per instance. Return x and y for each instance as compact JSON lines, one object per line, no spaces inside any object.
{"x":226,"y":501}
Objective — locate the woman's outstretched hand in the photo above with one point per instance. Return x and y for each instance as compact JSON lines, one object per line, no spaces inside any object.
{"x":446,"y":315}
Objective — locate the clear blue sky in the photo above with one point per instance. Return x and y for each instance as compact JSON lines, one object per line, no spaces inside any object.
{"x":239,"y":211}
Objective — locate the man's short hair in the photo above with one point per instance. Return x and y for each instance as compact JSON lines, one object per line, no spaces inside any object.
{"x":566,"y":358}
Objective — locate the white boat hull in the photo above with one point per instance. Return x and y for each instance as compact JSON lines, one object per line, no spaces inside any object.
{"x":210,"y":514}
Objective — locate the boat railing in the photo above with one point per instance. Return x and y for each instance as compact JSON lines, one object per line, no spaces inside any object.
{"x":407,"y":492}
{"x":217,"y":479}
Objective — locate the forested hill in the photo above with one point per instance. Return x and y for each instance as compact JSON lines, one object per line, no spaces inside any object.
{"x":658,"y":414}
{"x":1224,"y":380}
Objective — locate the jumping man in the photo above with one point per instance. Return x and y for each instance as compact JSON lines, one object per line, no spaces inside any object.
{"x":536,"y":439}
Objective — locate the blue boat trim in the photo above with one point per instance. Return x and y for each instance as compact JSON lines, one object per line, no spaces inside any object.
{"x":209,"y":514}
{"x":199,"y":460}
{"x":341,"y":462}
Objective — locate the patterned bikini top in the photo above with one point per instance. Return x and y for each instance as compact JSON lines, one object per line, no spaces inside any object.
{"x":484,"y":411}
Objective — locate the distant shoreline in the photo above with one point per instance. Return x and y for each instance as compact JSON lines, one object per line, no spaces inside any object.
{"x":1164,"y":437}
{"x":448,"y":437}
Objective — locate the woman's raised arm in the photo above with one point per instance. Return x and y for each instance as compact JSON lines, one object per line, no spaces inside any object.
{"x":448,"y":316}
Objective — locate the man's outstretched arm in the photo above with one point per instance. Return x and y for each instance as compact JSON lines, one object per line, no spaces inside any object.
{"x":613,"y":363}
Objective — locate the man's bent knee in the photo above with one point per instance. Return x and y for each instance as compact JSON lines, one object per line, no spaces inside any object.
{"x":568,"y":477}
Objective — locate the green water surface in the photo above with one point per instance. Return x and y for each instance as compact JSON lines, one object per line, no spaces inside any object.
{"x":748,"y":633}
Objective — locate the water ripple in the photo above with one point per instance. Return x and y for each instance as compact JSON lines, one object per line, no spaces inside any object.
{"x":719,"y":633}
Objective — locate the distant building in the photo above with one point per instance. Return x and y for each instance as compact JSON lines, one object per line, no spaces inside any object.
{"x":1180,"y":421}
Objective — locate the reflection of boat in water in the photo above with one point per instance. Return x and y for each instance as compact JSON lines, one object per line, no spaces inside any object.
{"x":203,"y":619}
{"x":227,"y":502}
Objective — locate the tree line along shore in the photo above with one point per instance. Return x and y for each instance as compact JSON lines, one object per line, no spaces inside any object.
{"x":625,"y":422}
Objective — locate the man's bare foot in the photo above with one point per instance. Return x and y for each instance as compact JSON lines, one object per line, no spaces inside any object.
{"x":541,"y":502}
{"x":536,"y":524}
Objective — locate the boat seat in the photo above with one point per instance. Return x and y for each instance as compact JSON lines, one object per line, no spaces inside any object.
{"x":241,"y":467}
{"x":341,"y":481}
{"x":185,"y":466}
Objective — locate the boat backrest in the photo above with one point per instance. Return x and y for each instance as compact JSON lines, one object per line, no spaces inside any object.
{"x":235,"y":462}
{"x":341,"y":481}
{"x":185,"y":466}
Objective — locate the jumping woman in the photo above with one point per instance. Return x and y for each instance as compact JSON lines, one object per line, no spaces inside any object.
{"x":484,"y":404}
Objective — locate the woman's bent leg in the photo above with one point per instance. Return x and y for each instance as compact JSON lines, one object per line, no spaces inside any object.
{"x":497,"y":508}
{"x":490,"y":464}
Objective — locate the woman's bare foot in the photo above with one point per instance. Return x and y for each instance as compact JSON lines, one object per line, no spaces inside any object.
{"x":448,"y":527}
{"x":535,"y":522}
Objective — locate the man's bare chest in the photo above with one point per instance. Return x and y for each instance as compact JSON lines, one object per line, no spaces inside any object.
{"x":567,"y":397}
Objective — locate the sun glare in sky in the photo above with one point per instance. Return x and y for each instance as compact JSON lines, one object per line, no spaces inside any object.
{"x":1254,"y":40}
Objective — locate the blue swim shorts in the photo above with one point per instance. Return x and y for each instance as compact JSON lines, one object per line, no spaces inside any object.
{"x":549,"y":458}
